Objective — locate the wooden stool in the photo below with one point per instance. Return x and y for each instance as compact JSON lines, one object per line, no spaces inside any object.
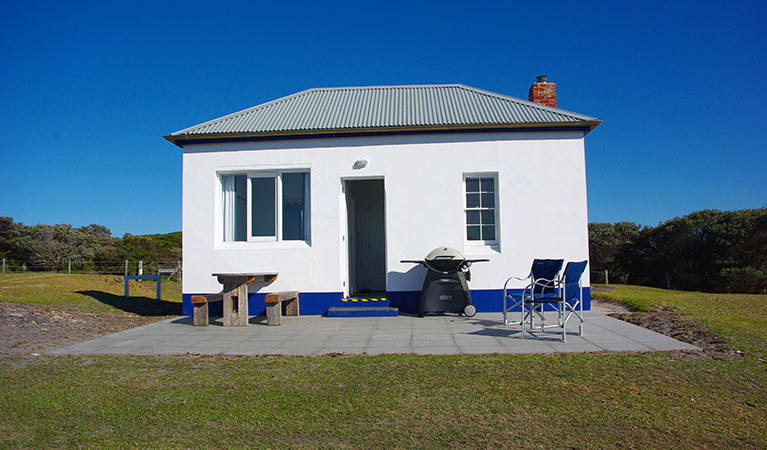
{"x":200,"y":304}
{"x":274,"y":306}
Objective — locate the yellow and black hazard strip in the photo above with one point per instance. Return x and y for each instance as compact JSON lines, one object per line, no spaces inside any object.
{"x":364,"y":299}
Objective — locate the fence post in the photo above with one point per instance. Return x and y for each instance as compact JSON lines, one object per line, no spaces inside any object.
{"x":3,"y":265}
{"x":126,"y":267}
{"x":140,"y":270}
{"x":178,"y":270}
{"x":69,"y":266}
{"x":24,"y":267}
{"x":607,"y":280}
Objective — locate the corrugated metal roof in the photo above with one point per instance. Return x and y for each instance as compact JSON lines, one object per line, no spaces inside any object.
{"x":379,"y":108}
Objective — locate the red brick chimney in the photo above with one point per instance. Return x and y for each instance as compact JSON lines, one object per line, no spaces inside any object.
{"x":543,"y":92}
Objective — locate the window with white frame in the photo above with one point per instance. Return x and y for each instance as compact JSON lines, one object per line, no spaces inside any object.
{"x":481,"y":208}
{"x":265,"y":206}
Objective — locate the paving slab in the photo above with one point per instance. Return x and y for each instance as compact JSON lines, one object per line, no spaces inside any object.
{"x":387,"y":350}
{"x":315,"y":335}
{"x":442,"y":350}
{"x":333,"y":349}
{"x":575,"y":347}
{"x":480,"y":349}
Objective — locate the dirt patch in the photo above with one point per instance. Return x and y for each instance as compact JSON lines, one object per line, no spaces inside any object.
{"x":608,"y":308}
{"x":672,"y":323}
{"x":29,"y":328}
{"x":602,"y":288}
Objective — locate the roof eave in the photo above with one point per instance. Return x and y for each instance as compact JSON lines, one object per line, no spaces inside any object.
{"x":179,"y":139}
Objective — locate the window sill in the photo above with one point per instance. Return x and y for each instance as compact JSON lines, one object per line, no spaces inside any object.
{"x":481,"y":249}
{"x":261,"y":245}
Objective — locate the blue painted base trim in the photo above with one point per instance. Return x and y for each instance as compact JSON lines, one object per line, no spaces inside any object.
{"x":256,"y":305}
{"x":310,"y":303}
{"x":405,"y":301}
{"x":362,"y":312}
{"x":485,"y":300}
{"x":318,"y":303}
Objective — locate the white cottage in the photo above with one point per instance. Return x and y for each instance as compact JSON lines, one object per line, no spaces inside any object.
{"x":331,"y":187}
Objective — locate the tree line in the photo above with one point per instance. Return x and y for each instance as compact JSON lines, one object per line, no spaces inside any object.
{"x":709,"y":251}
{"x":91,"y":248}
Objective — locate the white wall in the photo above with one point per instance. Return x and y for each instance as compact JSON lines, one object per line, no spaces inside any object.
{"x":542,"y":205}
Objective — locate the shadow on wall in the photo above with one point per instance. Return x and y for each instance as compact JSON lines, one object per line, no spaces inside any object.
{"x":412,"y":280}
{"x":142,"y":306}
{"x":404,"y":288}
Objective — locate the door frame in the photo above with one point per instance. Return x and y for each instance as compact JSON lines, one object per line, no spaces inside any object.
{"x":347,"y":269}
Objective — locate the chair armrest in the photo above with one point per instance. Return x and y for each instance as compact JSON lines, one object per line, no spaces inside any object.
{"x":546,"y":284}
{"x":546,"y":281}
{"x":506,"y":284}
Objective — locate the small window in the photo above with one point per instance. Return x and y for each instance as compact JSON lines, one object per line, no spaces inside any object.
{"x":480,"y":208}
{"x":263,"y":207}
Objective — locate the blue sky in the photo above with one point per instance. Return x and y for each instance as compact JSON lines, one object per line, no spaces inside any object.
{"x":89,"y":89}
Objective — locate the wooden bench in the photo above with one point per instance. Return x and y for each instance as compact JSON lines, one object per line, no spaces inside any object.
{"x":236,"y":295}
{"x":274,"y":303}
{"x":234,"y":298}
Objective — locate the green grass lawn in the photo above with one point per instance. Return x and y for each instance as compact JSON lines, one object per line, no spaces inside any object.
{"x":603,"y":400}
{"x":89,"y":293}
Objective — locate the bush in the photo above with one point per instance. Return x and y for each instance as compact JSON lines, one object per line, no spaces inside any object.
{"x":745,"y":280}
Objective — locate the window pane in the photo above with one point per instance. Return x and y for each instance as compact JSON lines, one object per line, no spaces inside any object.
{"x":488,"y":185}
{"x":488,"y":200}
{"x":488,"y":232}
{"x":472,"y":233}
{"x":472,"y":185}
{"x":263,"y":206}
{"x":294,"y":206}
{"x":472,"y":200}
{"x":472,"y":217}
{"x":241,"y":208}
{"x":234,"y":207}
{"x":488,"y":217}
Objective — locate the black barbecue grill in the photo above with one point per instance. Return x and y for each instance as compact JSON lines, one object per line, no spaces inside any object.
{"x":444,"y":287}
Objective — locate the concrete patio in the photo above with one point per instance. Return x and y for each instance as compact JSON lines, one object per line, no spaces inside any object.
{"x":315,"y":335}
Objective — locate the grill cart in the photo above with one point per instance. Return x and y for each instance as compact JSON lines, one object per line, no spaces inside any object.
{"x":445,"y":288}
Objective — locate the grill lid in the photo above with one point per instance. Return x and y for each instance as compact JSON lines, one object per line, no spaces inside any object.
{"x":442,"y":253}
{"x":445,"y":260}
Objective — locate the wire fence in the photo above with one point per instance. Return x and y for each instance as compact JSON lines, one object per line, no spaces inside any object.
{"x":172,"y":268}
{"x":600,"y":277}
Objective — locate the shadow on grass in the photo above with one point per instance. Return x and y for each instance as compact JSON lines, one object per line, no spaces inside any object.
{"x":142,"y":306}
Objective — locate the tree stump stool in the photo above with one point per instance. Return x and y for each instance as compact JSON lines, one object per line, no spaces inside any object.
{"x":274,"y":306}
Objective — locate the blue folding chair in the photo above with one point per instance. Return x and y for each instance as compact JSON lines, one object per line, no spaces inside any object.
{"x":567,"y":299}
{"x":565,"y":294}
{"x":543,"y":276}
